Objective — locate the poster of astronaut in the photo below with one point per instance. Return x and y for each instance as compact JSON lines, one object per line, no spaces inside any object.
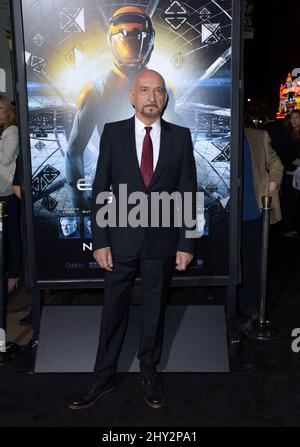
{"x":81,"y":57}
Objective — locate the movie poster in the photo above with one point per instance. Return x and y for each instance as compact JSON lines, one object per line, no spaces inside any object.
{"x":81,"y":56}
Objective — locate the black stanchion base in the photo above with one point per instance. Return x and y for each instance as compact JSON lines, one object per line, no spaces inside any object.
{"x":262,"y":331}
{"x":9,"y":355}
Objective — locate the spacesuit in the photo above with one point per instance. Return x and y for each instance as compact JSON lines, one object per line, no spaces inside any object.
{"x":131,"y":38}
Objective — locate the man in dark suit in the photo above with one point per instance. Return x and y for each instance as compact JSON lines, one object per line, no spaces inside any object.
{"x":148,"y":155}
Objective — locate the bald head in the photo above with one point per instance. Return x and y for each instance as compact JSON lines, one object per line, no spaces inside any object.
{"x":148,"y":74}
{"x":148,"y":95}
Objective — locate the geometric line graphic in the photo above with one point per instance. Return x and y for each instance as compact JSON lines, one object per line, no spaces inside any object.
{"x":40,"y":146}
{"x":210,"y":32}
{"x":176,"y":8}
{"x":204,"y":14}
{"x":44,"y":178}
{"x":178,"y":60}
{"x":49,"y":203}
{"x":224,"y":154}
{"x":175,"y":15}
{"x":38,"y":64}
{"x":72,"y":20}
{"x":175,"y":22}
{"x":38,"y":39}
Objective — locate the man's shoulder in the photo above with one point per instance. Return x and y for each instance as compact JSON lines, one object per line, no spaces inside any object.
{"x":174,"y":127}
{"x":259,"y":141}
{"x":254,"y":131}
{"x":119,"y":124}
{"x":10,"y":130}
{"x":258,"y":134}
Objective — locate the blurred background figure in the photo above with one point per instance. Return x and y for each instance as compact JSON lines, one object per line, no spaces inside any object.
{"x":16,"y":186}
{"x":288,"y":148}
{"x":262,"y":174}
{"x":9,"y":149}
{"x":87,"y":227}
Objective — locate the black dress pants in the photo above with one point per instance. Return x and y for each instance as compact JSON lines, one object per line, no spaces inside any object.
{"x":13,"y":243}
{"x":290,"y":204}
{"x":156,"y":276}
{"x":251,"y":266}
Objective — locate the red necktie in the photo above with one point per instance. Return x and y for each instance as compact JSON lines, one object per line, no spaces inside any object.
{"x":147,"y":158}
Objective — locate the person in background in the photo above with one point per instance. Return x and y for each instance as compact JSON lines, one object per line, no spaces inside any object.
{"x":16,"y":186}
{"x":66,"y":296}
{"x":276,"y":130}
{"x":262,"y":175}
{"x":87,"y":227}
{"x":289,"y":153}
{"x":9,"y":149}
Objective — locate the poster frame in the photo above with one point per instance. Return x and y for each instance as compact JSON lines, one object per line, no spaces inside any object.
{"x":31,"y":279}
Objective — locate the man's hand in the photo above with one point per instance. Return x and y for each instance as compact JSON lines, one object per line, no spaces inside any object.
{"x":273,"y":186}
{"x":17,"y":190}
{"x":182,"y":260}
{"x":104,"y":258}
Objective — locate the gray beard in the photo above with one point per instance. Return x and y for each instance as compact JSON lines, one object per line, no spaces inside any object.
{"x":156,"y":112}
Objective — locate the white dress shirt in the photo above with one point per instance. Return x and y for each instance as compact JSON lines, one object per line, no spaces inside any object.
{"x":139,"y":139}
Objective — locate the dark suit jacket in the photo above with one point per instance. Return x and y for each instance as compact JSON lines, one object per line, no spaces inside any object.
{"x":118,"y":164}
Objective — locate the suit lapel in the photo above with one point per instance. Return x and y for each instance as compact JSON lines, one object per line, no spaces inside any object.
{"x":130,"y":147}
{"x":166,"y":139}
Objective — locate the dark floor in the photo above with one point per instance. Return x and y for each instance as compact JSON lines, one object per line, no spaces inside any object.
{"x":262,"y":389}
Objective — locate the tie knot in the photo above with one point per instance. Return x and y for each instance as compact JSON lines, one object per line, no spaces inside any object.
{"x":148,"y":129}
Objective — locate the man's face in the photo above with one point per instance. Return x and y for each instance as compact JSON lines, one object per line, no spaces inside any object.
{"x":295,"y":120}
{"x":68,"y":226}
{"x":89,"y":226}
{"x":148,"y":95}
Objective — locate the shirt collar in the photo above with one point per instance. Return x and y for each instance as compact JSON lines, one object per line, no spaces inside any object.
{"x":140,"y":126}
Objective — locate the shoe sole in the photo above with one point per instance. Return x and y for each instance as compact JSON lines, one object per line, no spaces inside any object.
{"x":85,"y":407}
{"x":152,"y":405}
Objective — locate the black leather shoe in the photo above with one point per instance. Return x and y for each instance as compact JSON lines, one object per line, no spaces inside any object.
{"x":90,"y":396}
{"x":244,"y":324}
{"x":153,"y":392}
{"x":245,"y":319}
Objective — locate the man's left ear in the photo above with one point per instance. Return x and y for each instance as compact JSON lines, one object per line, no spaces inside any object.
{"x":166,"y":99}
{"x":131,"y":97}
